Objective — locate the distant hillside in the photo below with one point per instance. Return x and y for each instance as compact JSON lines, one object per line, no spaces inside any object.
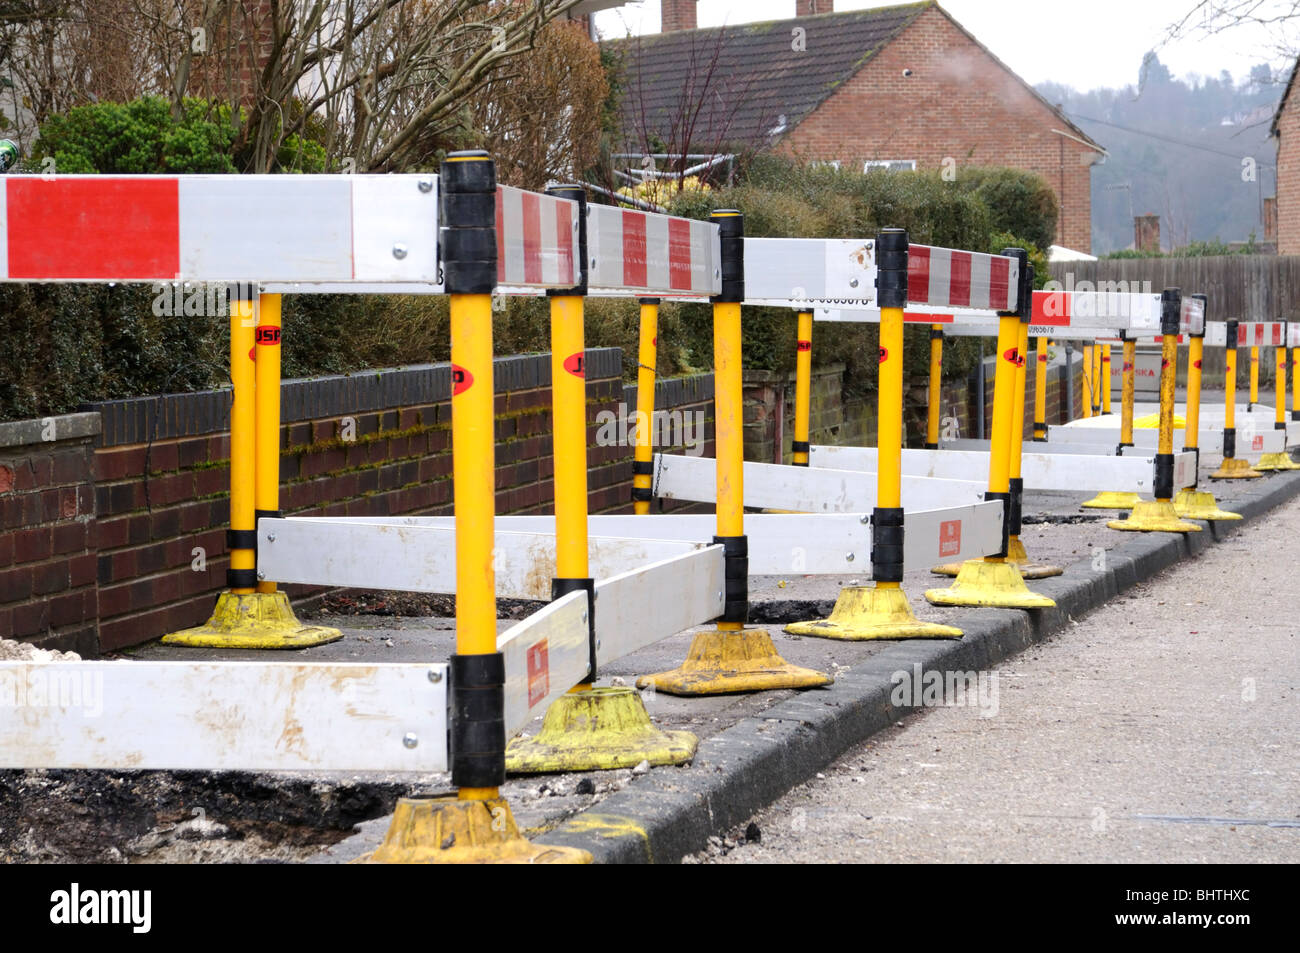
{"x":1176,"y":150}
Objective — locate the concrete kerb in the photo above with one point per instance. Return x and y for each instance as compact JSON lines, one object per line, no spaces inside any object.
{"x":669,"y":814}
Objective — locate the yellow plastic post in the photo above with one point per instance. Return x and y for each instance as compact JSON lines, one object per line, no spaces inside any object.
{"x":475,"y":825}
{"x":1158,"y":515}
{"x":1281,"y":459}
{"x":1015,"y":547}
{"x":1233,"y":467}
{"x":994,"y":581}
{"x":1041,"y":347}
{"x":1295,"y":383}
{"x":936,"y":387}
{"x":256,"y":616}
{"x":731,"y":658}
{"x":1254,"y":378}
{"x":1087,"y":381}
{"x":1104,"y":378}
{"x":647,"y":363}
{"x":802,"y":388}
{"x":1096,"y":380}
{"x":1121,"y":499}
{"x":882,"y":611}
{"x":1191,"y":502}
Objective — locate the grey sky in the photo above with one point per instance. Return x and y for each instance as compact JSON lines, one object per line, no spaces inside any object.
{"x":1083,"y":43}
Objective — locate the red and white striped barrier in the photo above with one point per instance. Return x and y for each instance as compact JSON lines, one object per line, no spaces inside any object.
{"x":537,"y":240}
{"x":948,"y":278}
{"x":1249,"y":334}
{"x":642,"y":253}
{"x":150,"y":228}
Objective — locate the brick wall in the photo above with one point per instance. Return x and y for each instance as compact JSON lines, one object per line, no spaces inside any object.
{"x":114,"y":531}
{"x":959,"y":104}
{"x":1288,"y":177}
{"x":47,"y":529}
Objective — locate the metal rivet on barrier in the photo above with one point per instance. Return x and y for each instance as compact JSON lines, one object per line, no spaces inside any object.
{"x":853,"y":282}
{"x":848,"y":557}
{"x":426,"y":185}
{"x":270,"y":537}
{"x":261,"y":575}
{"x":866,"y":518}
{"x":399,"y":251}
{"x":435,"y":676}
{"x":410,"y":740}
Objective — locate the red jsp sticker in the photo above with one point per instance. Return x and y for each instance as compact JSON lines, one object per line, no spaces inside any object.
{"x":573,"y":364}
{"x":268,"y":335}
{"x":539,"y":673}
{"x":1196,"y":364}
{"x":1258,"y":442}
{"x":884,"y":354}
{"x":1012,"y":356}
{"x":950,"y":538}
{"x":461,"y":380}
{"x":1128,"y":366}
{"x":804,"y":346}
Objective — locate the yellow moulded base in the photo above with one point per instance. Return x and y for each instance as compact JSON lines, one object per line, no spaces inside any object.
{"x":1113,"y":500}
{"x":446,"y":830}
{"x":1200,"y":505}
{"x":723,"y":662}
{"x":1017,"y":556}
{"x":1235,"y":468}
{"x":865,"y":612}
{"x":598,"y":730}
{"x":1155,"y":516}
{"x":253,"y":620}
{"x":990,"y":584}
{"x":1276,"y":461}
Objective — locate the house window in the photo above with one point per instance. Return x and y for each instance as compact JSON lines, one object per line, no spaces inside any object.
{"x":893,"y":165}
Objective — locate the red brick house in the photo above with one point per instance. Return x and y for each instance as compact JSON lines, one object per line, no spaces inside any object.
{"x":1286,"y":128}
{"x":904,"y":85}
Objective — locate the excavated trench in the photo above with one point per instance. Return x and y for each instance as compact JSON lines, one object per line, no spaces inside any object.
{"x":62,"y":816}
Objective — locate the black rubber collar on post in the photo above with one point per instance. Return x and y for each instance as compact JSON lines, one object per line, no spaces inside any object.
{"x":241,"y":578}
{"x":1014,"y":506}
{"x":735,"y":556}
{"x":1006,"y":519}
{"x":800,"y":446}
{"x":575,"y":193}
{"x":1229,"y":442}
{"x":1164,"y":486}
{"x":887,"y":544}
{"x":468,"y":245}
{"x":1171,"y":306}
{"x":1024,"y":287}
{"x":562,"y":587}
{"x":478,"y":727}
{"x":891,"y":268}
{"x":731,"y":235}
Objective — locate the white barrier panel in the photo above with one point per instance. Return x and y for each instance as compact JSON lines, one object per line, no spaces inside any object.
{"x":1094,"y":309}
{"x":252,"y":716}
{"x":805,"y":272}
{"x":414,"y":557}
{"x":779,"y":542}
{"x":545,"y":655}
{"x":642,"y":253}
{"x":1249,"y":333}
{"x":639,"y":607}
{"x":804,"y":489}
{"x":1147,"y":439}
{"x":1040,"y":471}
{"x":154,"y":228}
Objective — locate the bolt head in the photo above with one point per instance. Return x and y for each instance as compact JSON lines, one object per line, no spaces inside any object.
{"x":853,"y":282}
{"x":399,"y":251}
{"x":270,"y":537}
{"x":435,"y":675}
{"x":261,"y":576}
{"x":426,"y":185}
{"x":410,"y":740}
{"x":848,"y":557}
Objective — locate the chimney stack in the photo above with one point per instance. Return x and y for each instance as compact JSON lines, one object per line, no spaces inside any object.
{"x":676,"y":15}
{"x":1146,"y":233}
